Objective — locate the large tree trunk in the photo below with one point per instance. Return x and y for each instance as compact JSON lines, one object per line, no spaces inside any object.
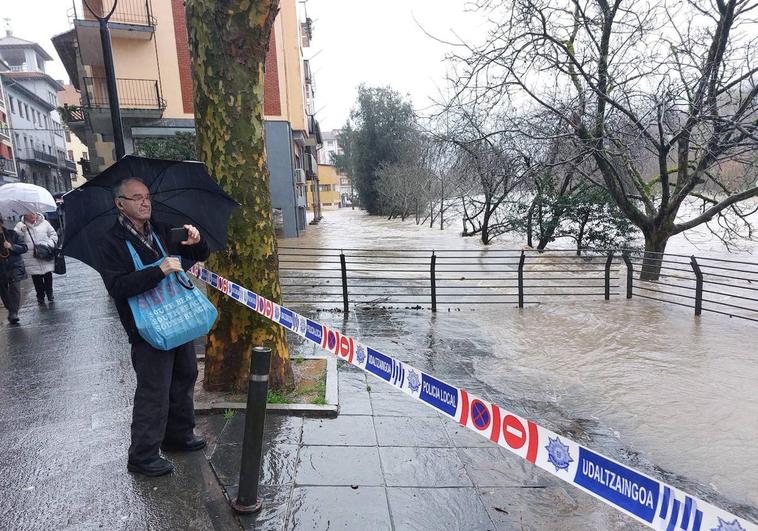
{"x":486,"y":226}
{"x":655,"y":246}
{"x":229,"y":40}
{"x":580,"y":237}
{"x":529,"y":215}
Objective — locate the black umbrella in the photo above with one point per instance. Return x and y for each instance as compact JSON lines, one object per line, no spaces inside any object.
{"x":182,"y":192}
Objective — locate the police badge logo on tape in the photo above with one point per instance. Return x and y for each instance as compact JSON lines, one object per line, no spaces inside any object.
{"x":414,"y":381}
{"x":558,"y":454}
{"x":302,"y":325}
{"x":360,"y":354}
{"x":728,"y":526}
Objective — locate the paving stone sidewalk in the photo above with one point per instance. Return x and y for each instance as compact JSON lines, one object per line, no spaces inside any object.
{"x":389,"y":462}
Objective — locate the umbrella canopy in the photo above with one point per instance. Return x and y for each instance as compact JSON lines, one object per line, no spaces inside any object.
{"x":182,"y":192}
{"x":22,"y":198}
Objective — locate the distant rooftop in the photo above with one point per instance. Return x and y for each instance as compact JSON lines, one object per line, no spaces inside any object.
{"x":9,"y":42}
{"x":35,"y":75}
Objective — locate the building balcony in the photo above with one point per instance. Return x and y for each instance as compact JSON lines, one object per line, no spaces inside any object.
{"x":72,"y":114}
{"x":41,"y":156}
{"x":7,"y":167}
{"x":35,"y":155}
{"x":137,"y":95}
{"x":130,"y":12}
{"x":5,"y":132}
{"x":132,"y":19}
{"x":69,"y":165}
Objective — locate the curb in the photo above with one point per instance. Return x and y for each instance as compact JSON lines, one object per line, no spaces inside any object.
{"x":328,"y":410}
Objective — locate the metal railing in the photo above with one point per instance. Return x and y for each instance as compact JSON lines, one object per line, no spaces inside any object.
{"x":37,"y":155}
{"x":726,"y":287}
{"x":431,"y":279}
{"x":7,"y":166}
{"x":72,"y":114}
{"x":132,"y":93}
{"x":138,"y":12}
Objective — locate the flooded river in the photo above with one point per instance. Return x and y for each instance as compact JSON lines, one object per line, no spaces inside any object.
{"x":644,"y":382}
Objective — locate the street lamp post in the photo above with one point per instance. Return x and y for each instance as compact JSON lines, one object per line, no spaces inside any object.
{"x":110,"y":78}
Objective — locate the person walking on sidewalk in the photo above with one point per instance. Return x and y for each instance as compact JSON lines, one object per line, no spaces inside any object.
{"x":163,"y":416}
{"x":40,"y":238}
{"x":12,"y":270}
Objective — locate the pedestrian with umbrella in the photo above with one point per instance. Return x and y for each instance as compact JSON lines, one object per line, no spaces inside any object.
{"x":40,"y":238}
{"x":12,"y":270}
{"x":123,"y":223}
{"x":17,"y":199}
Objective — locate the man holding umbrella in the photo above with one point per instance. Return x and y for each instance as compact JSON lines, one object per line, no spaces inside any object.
{"x":163,"y":414}
{"x":119,"y":223}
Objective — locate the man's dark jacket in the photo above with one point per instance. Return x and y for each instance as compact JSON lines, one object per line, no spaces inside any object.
{"x":12,"y":267}
{"x":118,"y":271}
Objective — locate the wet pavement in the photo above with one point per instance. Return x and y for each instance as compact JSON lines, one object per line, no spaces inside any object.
{"x":388,"y":462}
{"x":66,"y":388}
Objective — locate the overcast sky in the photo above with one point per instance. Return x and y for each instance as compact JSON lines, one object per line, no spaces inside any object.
{"x":354,"y":42}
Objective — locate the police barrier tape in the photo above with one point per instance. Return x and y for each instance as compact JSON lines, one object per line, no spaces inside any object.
{"x":647,"y":500}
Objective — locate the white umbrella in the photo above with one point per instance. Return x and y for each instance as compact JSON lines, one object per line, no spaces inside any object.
{"x":22,"y":198}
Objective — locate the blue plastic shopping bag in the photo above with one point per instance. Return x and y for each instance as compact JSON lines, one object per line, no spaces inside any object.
{"x":171,"y":314}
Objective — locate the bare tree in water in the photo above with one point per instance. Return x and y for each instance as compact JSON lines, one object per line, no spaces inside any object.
{"x":661,"y":96}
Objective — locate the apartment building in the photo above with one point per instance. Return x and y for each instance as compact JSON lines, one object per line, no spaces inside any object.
{"x":154,"y":81}
{"x":329,"y":149}
{"x":35,"y":126}
{"x":76,"y":150}
{"x":7,"y":155}
{"x":328,"y":187}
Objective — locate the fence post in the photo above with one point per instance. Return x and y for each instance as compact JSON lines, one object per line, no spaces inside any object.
{"x":629,"y":274}
{"x":252,"y":444}
{"x":608,"y":263}
{"x":343,"y":266}
{"x":521,"y":280}
{"x":434,"y":281}
{"x":698,"y":285}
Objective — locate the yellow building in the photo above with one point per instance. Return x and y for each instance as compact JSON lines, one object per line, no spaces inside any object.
{"x":328,"y":187}
{"x":154,"y":80}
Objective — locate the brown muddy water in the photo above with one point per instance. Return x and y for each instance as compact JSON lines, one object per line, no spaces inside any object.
{"x":645,"y":382}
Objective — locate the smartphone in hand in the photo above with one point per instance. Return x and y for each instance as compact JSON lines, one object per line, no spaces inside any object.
{"x":176,"y":237}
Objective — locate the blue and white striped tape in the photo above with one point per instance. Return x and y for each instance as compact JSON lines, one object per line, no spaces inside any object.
{"x":647,"y":500}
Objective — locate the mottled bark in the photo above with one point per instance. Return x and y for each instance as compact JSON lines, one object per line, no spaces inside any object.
{"x":229,"y":40}
{"x":655,"y":246}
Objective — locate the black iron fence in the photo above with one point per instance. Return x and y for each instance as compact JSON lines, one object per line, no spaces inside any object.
{"x":132,"y":93}
{"x":41,"y":156}
{"x":435,"y":279}
{"x":726,"y":287}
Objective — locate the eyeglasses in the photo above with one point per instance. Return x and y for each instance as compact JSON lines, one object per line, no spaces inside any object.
{"x":139,"y":198}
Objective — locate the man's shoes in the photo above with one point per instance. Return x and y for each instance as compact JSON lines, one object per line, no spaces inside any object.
{"x":193,"y":445}
{"x":13,"y":318}
{"x":158,"y":466}
{"x":40,"y":300}
{"x":50,"y":297}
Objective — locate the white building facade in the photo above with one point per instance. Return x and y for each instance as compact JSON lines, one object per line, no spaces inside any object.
{"x":35,"y":126}
{"x":7,"y":154}
{"x":329,"y":149}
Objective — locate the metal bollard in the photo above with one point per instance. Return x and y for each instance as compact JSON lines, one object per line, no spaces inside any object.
{"x":252,"y":444}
